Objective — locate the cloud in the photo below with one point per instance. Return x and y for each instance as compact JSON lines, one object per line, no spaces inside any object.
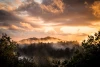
{"x":18,"y":1}
{"x":58,"y":11}
{"x":4,"y":6}
{"x":96,"y":9}
{"x":9,"y":5}
{"x":26,"y":25}
{"x":8,"y":18}
{"x":44,"y":10}
{"x":30,"y":16}
{"x":57,"y":6}
{"x":13,"y":25}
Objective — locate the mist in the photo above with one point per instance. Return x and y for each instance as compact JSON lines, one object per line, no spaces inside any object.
{"x":42,"y":53}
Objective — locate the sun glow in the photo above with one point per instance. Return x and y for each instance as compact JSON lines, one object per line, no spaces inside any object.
{"x":75,"y":30}
{"x":49,"y":29}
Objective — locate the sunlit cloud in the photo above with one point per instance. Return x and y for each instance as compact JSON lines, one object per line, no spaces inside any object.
{"x":96,"y":8}
{"x":66,"y":19}
{"x":38,"y":1}
{"x":49,"y":30}
{"x":27,"y":26}
{"x":18,"y":2}
{"x":4,"y":6}
{"x":57,"y":6}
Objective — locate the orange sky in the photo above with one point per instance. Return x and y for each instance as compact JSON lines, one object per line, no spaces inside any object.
{"x":64,"y":19}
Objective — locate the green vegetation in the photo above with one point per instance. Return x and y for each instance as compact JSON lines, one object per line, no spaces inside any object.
{"x":8,"y":54}
{"x":88,"y":54}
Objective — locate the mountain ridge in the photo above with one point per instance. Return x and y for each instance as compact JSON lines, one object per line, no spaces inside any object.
{"x":47,"y":39}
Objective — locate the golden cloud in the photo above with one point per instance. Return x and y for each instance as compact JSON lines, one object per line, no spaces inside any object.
{"x":18,"y":1}
{"x":26,"y":25}
{"x":57,"y":6}
{"x":96,"y":8}
{"x":6,"y":7}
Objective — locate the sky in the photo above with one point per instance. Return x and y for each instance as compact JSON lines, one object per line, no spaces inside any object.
{"x":64,"y":19}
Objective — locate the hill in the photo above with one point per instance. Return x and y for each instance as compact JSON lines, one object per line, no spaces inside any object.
{"x":47,"y":39}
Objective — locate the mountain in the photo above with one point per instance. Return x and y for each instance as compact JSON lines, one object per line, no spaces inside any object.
{"x":47,"y":39}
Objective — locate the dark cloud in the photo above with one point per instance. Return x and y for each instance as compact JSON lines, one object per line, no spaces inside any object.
{"x":75,"y":13}
{"x":11,"y":21}
{"x":40,"y":10}
{"x":13,"y":25}
{"x":54,"y":12}
{"x":7,"y":16}
{"x":7,"y":19}
{"x":78,"y":12}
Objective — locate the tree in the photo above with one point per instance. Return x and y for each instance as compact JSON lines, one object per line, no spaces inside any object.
{"x":90,"y":55}
{"x":8,"y":54}
{"x":7,"y":51}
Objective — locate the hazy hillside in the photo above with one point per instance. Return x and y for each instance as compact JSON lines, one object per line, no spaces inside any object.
{"x":41,"y":53}
{"x":47,"y":39}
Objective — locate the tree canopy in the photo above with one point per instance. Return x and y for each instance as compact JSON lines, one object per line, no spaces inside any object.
{"x":90,"y":56}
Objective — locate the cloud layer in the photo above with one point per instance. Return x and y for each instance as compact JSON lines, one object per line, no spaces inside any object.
{"x":48,"y":17}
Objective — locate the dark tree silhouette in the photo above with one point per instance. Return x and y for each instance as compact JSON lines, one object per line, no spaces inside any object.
{"x":90,"y":55}
{"x":7,"y":51}
{"x":8,"y":54}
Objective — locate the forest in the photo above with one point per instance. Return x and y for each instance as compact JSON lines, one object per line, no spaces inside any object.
{"x":61,"y":54}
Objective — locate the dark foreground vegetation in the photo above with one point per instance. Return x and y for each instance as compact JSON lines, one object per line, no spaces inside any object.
{"x":49,"y":55}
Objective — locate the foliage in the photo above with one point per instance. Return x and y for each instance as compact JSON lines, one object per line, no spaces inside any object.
{"x":90,"y":55}
{"x":8,"y":54}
